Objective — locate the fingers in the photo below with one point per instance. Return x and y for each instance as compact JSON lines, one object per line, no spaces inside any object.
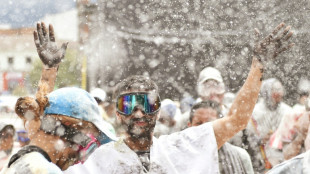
{"x":257,"y":35}
{"x":272,"y":35}
{"x":40,"y":33}
{"x":283,"y":34}
{"x":44,"y":32}
{"x":288,"y":36}
{"x":51,"y":33}
{"x":36,"y":39}
{"x":278,"y":28}
{"x":286,"y":48}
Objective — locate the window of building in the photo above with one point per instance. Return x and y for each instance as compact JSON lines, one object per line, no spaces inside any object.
{"x":28,"y":60}
{"x":10,"y":60}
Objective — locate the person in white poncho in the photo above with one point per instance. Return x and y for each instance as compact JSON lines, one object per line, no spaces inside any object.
{"x":193,"y":150}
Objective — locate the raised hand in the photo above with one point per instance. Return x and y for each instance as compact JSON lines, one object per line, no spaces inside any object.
{"x":47,"y":49}
{"x":272,"y":45}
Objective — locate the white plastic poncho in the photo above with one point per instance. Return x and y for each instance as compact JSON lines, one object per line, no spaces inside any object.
{"x":193,"y":150}
{"x":32,"y":163}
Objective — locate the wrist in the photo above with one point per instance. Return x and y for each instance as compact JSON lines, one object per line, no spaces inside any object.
{"x":53,"y":67}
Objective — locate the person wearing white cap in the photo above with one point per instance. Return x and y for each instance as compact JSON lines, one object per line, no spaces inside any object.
{"x":210,"y":86}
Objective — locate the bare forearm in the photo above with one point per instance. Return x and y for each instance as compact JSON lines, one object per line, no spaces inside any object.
{"x":241,"y":110}
{"x":245,"y":101}
{"x":48,"y":78}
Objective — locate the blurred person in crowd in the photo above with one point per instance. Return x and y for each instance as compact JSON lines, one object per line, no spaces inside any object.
{"x":186,"y":104}
{"x":232,"y":159}
{"x":22,"y":138}
{"x":7,"y":132}
{"x":289,"y":125}
{"x":138,"y":106}
{"x":299,"y":141}
{"x":210,"y":86}
{"x":300,"y":106}
{"x":303,"y":92}
{"x":64,"y":126}
{"x":297,"y":144}
{"x":300,"y":145}
{"x":100,"y":95}
{"x":165,"y":124}
{"x":264,"y":149}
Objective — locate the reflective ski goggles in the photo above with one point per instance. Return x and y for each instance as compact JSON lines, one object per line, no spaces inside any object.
{"x":148,"y":102}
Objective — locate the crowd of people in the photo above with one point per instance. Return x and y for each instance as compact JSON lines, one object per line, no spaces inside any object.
{"x":69,"y":130}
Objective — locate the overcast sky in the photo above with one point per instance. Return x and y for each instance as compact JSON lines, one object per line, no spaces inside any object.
{"x":25,"y":13}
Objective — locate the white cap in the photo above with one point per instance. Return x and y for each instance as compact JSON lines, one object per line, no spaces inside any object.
{"x":210,"y":73}
{"x":99,"y":93}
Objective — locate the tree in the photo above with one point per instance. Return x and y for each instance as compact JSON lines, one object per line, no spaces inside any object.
{"x":69,"y":73}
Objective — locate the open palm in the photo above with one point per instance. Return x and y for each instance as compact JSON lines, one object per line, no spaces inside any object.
{"x":47,"y":49}
{"x":274,"y":44}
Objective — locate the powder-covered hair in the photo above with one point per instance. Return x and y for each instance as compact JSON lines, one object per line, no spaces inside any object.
{"x":135,"y":83}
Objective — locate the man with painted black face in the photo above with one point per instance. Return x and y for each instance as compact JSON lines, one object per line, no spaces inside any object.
{"x":193,"y":150}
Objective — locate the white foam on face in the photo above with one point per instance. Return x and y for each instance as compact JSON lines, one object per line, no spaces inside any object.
{"x":59,"y":145}
{"x":136,"y":130}
{"x":60,"y":131}
{"x":78,"y":138}
{"x":49,"y":124}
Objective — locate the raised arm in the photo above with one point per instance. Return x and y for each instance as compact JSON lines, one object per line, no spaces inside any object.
{"x":28,"y":108}
{"x":243,"y":105}
{"x":49,"y":54}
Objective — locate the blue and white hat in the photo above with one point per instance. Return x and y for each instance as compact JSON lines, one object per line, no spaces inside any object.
{"x":78,"y":103}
